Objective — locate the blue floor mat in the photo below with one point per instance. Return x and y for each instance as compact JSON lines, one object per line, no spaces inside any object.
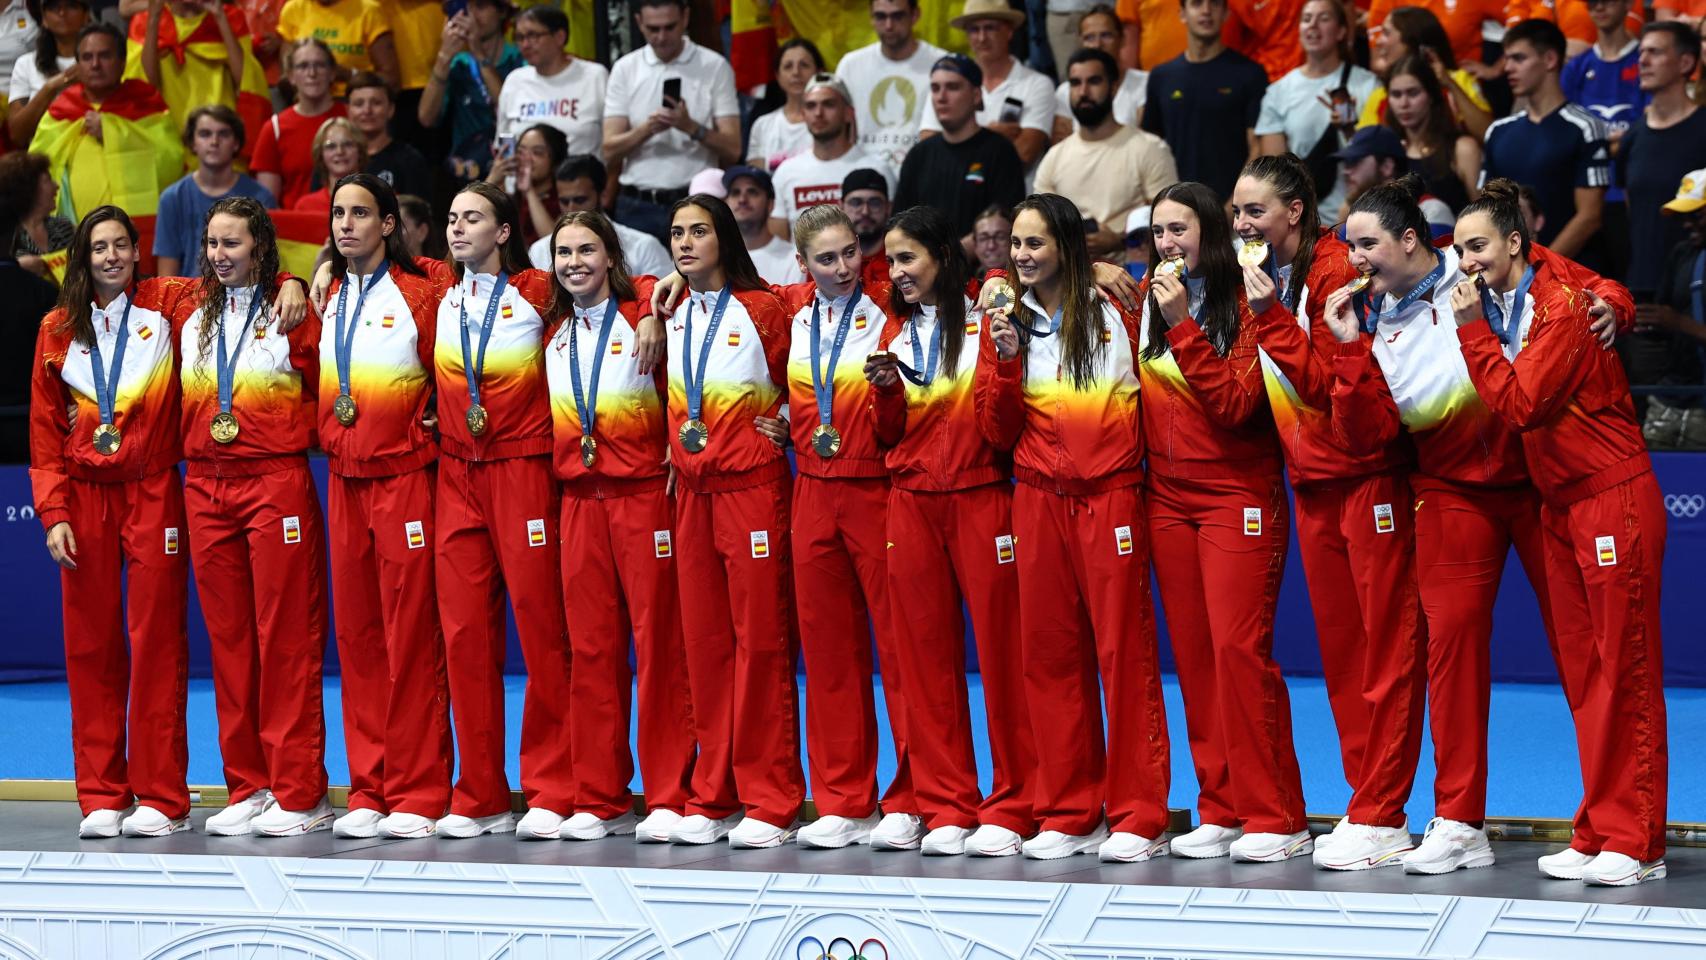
{"x":1534,"y":772}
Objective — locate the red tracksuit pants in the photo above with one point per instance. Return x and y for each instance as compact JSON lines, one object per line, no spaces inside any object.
{"x":1219,"y":552}
{"x":841,"y":580}
{"x":1358,"y":541}
{"x":618,"y":559}
{"x":390,"y":652}
{"x":126,"y":651}
{"x":1084,"y":563}
{"x":495,"y":533}
{"x":260,"y":570}
{"x":1463,"y":535}
{"x":737,"y":618}
{"x":1604,"y":554}
{"x":945,"y":547}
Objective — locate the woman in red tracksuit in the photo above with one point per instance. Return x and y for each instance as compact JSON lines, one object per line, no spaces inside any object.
{"x":1217,"y":529}
{"x":255,"y":531}
{"x":496,"y":502}
{"x":728,"y":350}
{"x":1525,"y":339}
{"x":376,"y":347}
{"x":618,"y":549}
{"x":1067,"y":391}
{"x":1354,"y":525}
{"x":109,"y":495}
{"x":950,"y":535}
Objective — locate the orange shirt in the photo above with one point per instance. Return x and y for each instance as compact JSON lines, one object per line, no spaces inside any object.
{"x":1161,"y":33}
{"x":1461,"y":19}
{"x":1266,"y":32}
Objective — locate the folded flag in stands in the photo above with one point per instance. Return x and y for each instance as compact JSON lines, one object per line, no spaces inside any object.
{"x":300,"y":236}
{"x":193,"y":69}
{"x":138,"y":155}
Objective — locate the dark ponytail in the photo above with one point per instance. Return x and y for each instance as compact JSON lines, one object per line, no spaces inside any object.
{"x":1501,"y":201}
{"x":1396,"y":207}
{"x":1292,"y":181}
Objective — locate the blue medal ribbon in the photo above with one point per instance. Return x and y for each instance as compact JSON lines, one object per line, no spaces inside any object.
{"x":1037,"y":333}
{"x":472,"y":372}
{"x":924,"y":372}
{"x":585,"y":408}
{"x":693,"y":379}
{"x":343,"y":340}
{"x":106,"y":387}
{"x":1420,"y":290}
{"x":1506,"y":327}
{"x":227,"y":366}
{"x":823,"y":383}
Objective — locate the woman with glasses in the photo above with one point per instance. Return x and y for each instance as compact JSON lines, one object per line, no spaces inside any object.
{"x":340,"y":149}
{"x":285,"y":156}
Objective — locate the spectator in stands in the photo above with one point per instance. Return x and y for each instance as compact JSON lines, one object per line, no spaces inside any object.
{"x":1662,"y":145}
{"x":1457,"y":39}
{"x":1554,"y":146}
{"x":1263,"y":30}
{"x":422,"y":231}
{"x":214,"y":134}
{"x":670,"y":111}
{"x":538,"y":152}
{"x":1448,"y":160}
{"x":339,"y":150}
{"x":51,"y":67}
{"x":25,"y":177}
{"x":1159,"y":33}
{"x":373,"y":108}
{"x":262,"y":16}
{"x":1106,"y":169}
{"x":17,"y":37}
{"x":1060,"y":28}
{"x":967,"y":168}
{"x":1137,"y":242}
{"x":779,"y":131}
{"x":752,"y":198}
{"x":1376,"y":155}
{"x":581,"y":180}
{"x":1312,"y":110}
{"x":354,"y":32}
{"x":28,"y":298}
{"x":1676,"y":315}
{"x":1018,"y":102}
{"x":466,"y":81}
{"x":992,"y":239}
{"x":284,"y":153}
{"x":1606,"y":79}
{"x":417,"y":28}
{"x":890,"y":81}
{"x":865,"y":199}
{"x":1413,"y":30}
{"x":1205,"y":102}
{"x":1100,"y":29}
{"x":198,"y":55}
{"x":555,"y":89}
{"x":1690,"y":12}
{"x":814,"y":178}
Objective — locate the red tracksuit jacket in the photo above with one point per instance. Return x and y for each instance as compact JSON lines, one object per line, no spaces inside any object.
{"x":630,"y":420}
{"x":744,"y":378}
{"x":390,"y":376}
{"x":512,"y":387}
{"x":860,"y":454}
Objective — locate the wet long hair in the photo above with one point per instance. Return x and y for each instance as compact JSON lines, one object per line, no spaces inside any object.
{"x":621,"y":284}
{"x":1291,"y":180}
{"x":929,"y":228}
{"x":737,"y":265}
{"x":384,"y":205}
{"x":1217,"y":263}
{"x":1501,"y":201}
{"x":1080,"y":332}
{"x":79,"y":289}
{"x":1396,"y":206}
{"x":263,"y":268}
{"x":512,"y":253}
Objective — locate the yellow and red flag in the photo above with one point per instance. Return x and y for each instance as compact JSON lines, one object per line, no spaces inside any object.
{"x":193,"y":68}
{"x":138,"y":155}
{"x":301,"y":236}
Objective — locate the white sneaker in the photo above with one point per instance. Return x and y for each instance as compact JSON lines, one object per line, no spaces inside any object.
{"x":1360,"y":846}
{"x":408,"y":826}
{"x":1446,"y":846}
{"x":898,"y":831}
{"x":1567,"y":864}
{"x":993,"y":841}
{"x":100,"y":825}
{"x":1054,"y":845}
{"x":539,"y":824}
{"x":657,"y":826}
{"x":149,"y":822}
{"x":755,"y":834}
{"x":1326,"y":840}
{"x":949,"y":841}
{"x":358,"y":824}
{"x":1271,"y":847}
{"x":1206,"y":842}
{"x":233,"y":821}
{"x":458,"y":827}
{"x":700,"y":829}
{"x":587,"y":826}
{"x":1130,"y":848}
{"x":833,"y":833}
{"x":275,"y":821}
{"x":1619,"y":870}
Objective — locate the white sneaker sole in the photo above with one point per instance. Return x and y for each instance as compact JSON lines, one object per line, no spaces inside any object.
{"x":766,"y":844}
{"x":888,"y":845}
{"x":1281,"y":855}
{"x":365,"y":833}
{"x":1564,"y":873}
{"x":1390,"y":858}
{"x":418,"y":834}
{"x":1157,"y":849}
{"x":1011,"y":850}
{"x":1638,"y":875}
{"x":1203,"y":853}
{"x":601,"y":831}
{"x":529,"y":836}
{"x":240,"y":830}
{"x":96,"y":834}
{"x":1469,"y":861}
{"x":477,"y":832}
{"x":315,"y":825}
{"x":1070,"y":849}
{"x":832,"y":843}
{"x":171,"y":827}
{"x":648,"y":837}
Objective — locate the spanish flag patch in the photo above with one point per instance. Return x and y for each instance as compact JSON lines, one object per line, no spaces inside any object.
{"x":1606,"y":549}
{"x":415,"y":533}
{"x":1383,"y":518}
{"x":508,"y":311}
{"x":292,"y":530}
{"x":734,"y":338}
{"x":145,"y":332}
{"x":1004,"y":549}
{"x":536,"y":533}
{"x":661,"y":544}
{"x":1252,"y":522}
{"x":616,"y":348}
{"x":760,"y":544}
{"x":1122,"y":540}
{"x":971,"y":328}
{"x":389,"y":321}
{"x":859,"y":320}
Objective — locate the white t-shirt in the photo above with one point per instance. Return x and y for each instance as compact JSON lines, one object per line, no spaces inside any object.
{"x":1292,"y":106}
{"x":805,"y":181}
{"x":890,"y":97}
{"x":646,"y":257}
{"x":776,"y":264}
{"x":27,"y":79}
{"x":572,"y":100}
{"x":669,"y":160}
{"x":17,"y":37}
{"x":1128,"y":102}
{"x":774,"y":139}
{"x":1032,"y":90}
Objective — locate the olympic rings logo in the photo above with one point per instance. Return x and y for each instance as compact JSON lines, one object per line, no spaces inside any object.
{"x":1687,"y":505}
{"x":821,"y":952}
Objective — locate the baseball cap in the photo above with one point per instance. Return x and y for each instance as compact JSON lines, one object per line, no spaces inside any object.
{"x":1373,"y":141}
{"x":1691,"y":196}
{"x":830,"y":81}
{"x":758,"y":176}
{"x":864,"y":178}
{"x":1137,"y":220}
{"x":961,"y":64}
{"x":709,"y":180}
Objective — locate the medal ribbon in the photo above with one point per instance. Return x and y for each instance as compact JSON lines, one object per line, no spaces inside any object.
{"x":227,"y":366}
{"x":928,"y":375}
{"x":588,"y":409}
{"x":695,"y":379}
{"x":106,"y":390}
{"x":823,"y":384}
{"x":343,"y":343}
{"x":1419,"y":291}
{"x":1036,"y":333}
{"x":1506,"y":327}
{"x":473,"y":372}
{"x":1292,"y":288}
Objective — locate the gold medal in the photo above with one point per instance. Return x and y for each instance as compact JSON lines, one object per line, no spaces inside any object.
{"x":1359,"y":284}
{"x":693,"y":436}
{"x":223,"y":427}
{"x":826,"y":440}
{"x":344,"y":409}
{"x":1476,"y":276}
{"x":1170,"y":267}
{"x":1253,"y":253}
{"x":107,"y":439}
{"x":477,"y":420}
{"x":589,"y":451}
{"x":1001,"y":296}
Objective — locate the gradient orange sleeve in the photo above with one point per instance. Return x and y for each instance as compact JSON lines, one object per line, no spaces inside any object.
{"x":49,"y":425}
{"x":1230,"y":388}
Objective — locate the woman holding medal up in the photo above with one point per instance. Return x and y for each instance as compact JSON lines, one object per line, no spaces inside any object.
{"x":608,"y":393}
{"x":376,"y":350}
{"x":496,"y":499}
{"x":255,"y":532}
{"x":1217,"y":528}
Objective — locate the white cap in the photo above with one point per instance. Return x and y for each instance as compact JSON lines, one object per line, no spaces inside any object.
{"x":1691,"y":196}
{"x":709,"y":181}
{"x":1137,"y":220}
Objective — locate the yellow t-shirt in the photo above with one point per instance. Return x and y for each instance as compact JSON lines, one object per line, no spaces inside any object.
{"x":349,"y":27}
{"x":1374,"y":111}
{"x":417,"y":27}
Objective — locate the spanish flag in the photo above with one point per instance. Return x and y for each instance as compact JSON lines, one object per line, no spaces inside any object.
{"x":139,"y":153}
{"x":193,"y":69}
{"x":301,"y":236}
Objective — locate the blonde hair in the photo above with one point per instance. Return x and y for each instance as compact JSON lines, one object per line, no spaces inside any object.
{"x":815,"y":220}
{"x":337,"y":123}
